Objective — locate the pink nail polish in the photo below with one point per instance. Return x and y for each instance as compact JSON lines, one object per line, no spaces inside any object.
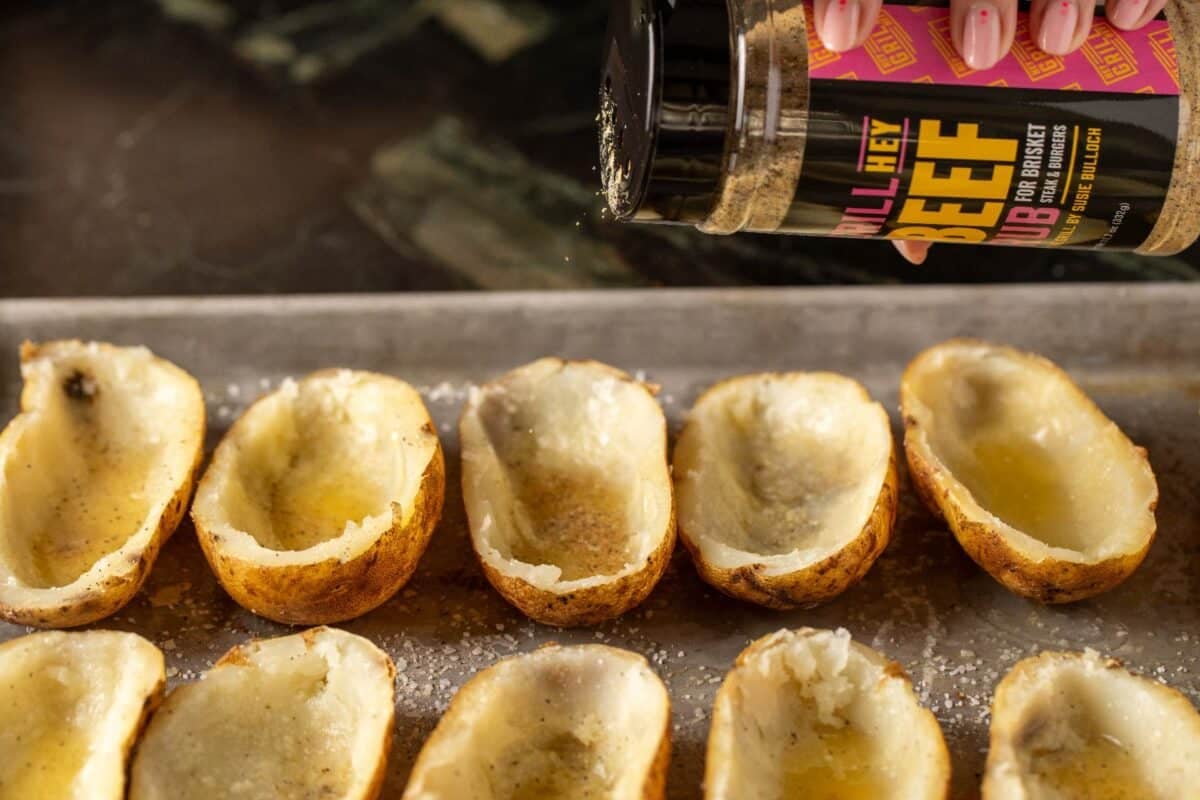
{"x":839,"y":28}
{"x":981,"y":36}
{"x":1058,"y":27}
{"x":1125,"y":14}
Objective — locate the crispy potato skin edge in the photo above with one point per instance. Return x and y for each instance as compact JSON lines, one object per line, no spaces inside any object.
{"x":330,"y":591}
{"x":153,"y":701}
{"x":724,"y":699}
{"x":102,"y":600}
{"x":595,"y":604}
{"x":1049,"y":581}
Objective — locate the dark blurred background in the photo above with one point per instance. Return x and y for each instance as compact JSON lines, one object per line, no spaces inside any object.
{"x":211,"y":146}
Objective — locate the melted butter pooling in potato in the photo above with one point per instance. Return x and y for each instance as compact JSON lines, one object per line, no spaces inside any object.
{"x":835,"y":767}
{"x":1022,"y":484}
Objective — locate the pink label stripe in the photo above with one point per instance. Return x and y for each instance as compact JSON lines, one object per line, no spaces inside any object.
{"x":912,"y":44}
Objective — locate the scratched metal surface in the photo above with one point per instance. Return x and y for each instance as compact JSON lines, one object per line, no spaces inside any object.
{"x":1135,"y":349}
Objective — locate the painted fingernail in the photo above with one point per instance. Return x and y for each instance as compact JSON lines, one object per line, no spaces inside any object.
{"x":1058,"y":27}
{"x":839,"y":28}
{"x":1126,"y":13}
{"x":981,"y":36}
{"x":913,"y":252}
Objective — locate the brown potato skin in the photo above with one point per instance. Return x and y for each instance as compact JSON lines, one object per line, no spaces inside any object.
{"x":153,"y":701}
{"x":655,"y":786}
{"x":1049,"y":582}
{"x":102,"y":600}
{"x":331,"y":591}
{"x":817,"y":583}
{"x":589,"y":606}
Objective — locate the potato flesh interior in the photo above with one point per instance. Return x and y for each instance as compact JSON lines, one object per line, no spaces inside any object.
{"x":88,"y":473}
{"x":66,"y":706}
{"x":1078,"y":747}
{"x":815,"y":759}
{"x":309,"y":464}
{"x":785,"y":465}
{"x":572,"y":453}
{"x":43,"y":732}
{"x":1096,"y":769}
{"x":217,"y":742}
{"x":573,"y":518}
{"x":565,"y":727}
{"x":1032,"y":453}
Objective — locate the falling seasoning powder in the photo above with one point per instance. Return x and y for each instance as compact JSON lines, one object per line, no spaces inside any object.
{"x":731,"y":116}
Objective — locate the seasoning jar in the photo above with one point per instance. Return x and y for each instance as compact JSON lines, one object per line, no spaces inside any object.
{"x":729,"y":115}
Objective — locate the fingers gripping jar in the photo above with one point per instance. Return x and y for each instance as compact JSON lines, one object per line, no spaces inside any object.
{"x":731,"y":116}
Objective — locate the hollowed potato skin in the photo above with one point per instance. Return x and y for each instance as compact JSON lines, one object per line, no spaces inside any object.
{"x":102,"y":600}
{"x":596,"y":604}
{"x":819,"y":582}
{"x":654,"y":787}
{"x":332,"y":591}
{"x":1005,"y":739}
{"x":237,"y":656}
{"x":1049,"y":581}
{"x":725,"y":699}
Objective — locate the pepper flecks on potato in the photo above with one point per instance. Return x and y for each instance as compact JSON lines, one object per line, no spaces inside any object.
{"x":787,"y":486}
{"x":322,"y":497}
{"x":561,"y":723}
{"x":1080,"y":725}
{"x":95,"y":475}
{"x":1041,"y":489}
{"x":567,"y":489}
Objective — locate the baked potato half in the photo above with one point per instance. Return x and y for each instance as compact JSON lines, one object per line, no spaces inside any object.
{"x":95,"y":474}
{"x":567,"y":489}
{"x":301,"y":716}
{"x":71,"y":706}
{"x":321,"y":498}
{"x":1040,"y":488}
{"x":1078,"y":725}
{"x":786,"y":485}
{"x":560,"y":723}
{"x":810,"y":713}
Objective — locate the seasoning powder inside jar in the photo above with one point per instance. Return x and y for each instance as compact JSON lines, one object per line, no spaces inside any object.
{"x":729,"y":115}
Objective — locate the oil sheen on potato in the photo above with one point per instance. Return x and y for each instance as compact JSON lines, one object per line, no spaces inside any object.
{"x":837,"y":767}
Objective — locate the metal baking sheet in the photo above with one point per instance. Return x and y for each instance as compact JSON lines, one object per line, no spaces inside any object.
{"x":1135,"y":349}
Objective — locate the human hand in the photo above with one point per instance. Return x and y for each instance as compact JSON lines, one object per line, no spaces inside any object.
{"x":983,"y":32}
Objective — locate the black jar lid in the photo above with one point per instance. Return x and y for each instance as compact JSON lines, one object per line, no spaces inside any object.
{"x":664,"y":110}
